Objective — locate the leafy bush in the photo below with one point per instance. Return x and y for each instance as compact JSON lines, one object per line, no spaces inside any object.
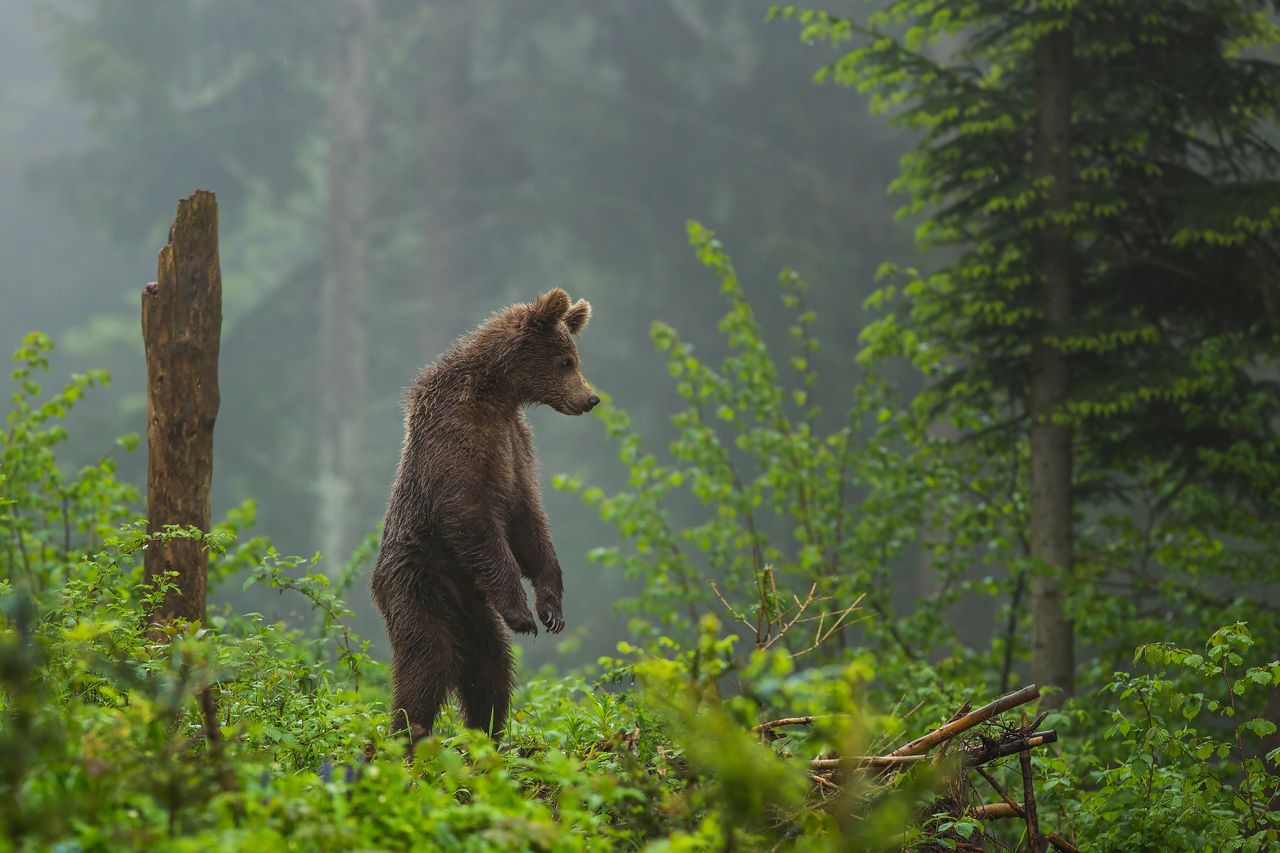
{"x":767,"y":548}
{"x":246,"y":734}
{"x":783,"y":520}
{"x":1186,"y":758}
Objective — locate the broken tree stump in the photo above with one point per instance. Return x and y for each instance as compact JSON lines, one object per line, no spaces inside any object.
{"x":181,"y":330}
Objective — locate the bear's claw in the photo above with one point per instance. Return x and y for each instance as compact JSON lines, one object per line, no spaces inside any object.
{"x":551,"y":617}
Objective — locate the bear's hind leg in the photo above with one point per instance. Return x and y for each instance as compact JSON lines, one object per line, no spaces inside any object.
{"x":420,"y":676}
{"x":485,"y":675}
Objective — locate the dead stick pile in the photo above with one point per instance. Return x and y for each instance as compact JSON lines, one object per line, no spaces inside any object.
{"x":976,"y":750}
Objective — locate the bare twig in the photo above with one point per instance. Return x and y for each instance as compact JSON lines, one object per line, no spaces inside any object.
{"x":801,"y":606}
{"x":960,"y":712}
{"x":785,"y":721}
{"x":824,"y":782}
{"x":727,"y":606}
{"x":860,"y":761}
{"x":996,"y":786}
{"x":822,"y":636}
{"x":1029,"y":803}
{"x":1053,"y":838}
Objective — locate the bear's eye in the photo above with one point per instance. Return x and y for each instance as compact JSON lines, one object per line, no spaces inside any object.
{"x":566,"y":363}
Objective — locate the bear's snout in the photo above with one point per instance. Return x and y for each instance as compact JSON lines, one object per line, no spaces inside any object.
{"x":592,"y":402}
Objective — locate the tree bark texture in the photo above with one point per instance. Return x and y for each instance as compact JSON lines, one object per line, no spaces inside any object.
{"x":1052,"y":656}
{"x":451,"y":210}
{"x":181,"y":330}
{"x":344,"y":360}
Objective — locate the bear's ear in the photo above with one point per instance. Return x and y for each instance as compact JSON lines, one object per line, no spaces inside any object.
{"x":577,"y":316}
{"x":549,"y":307}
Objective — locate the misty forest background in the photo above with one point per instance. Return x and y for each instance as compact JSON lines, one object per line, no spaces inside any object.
{"x":385,"y":183}
{"x":938,"y":342}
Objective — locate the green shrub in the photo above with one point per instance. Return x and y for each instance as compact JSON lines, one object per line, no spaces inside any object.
{"x":247,"y":734}
{"x":767,"y":547}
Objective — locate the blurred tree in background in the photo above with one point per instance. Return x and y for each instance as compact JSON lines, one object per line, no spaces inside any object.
{"x":390,"y":172}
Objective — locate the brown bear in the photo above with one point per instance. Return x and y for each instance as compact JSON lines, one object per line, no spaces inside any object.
{"x":464,"y":520}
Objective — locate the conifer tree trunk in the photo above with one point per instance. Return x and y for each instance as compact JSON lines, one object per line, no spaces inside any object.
{"x":181,"y":334}
{"x":1052,"y":534}
{"x":446,"y":104}
{"x":343,"y":362}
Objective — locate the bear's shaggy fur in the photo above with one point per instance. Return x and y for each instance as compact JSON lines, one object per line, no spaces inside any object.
{"x":464,"y":521}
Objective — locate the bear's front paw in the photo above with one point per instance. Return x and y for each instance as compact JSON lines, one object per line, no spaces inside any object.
{"x":521,"y":622}
{"x":551,"y":615}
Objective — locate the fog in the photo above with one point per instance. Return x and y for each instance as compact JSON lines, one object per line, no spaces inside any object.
{"x":389,"y":173}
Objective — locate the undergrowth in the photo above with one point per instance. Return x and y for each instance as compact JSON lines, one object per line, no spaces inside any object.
{"x":774,"y":600}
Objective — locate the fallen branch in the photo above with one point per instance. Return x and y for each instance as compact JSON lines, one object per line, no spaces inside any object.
{"x":865,"y":761}
{"x":785,"y":721}
{"x":999,"y":749}
{"x":996,"y":811}
{"x":824,"y":782}
{"x":923,"y":744}
{"x":1011,"y":741}
{"x":972,"y":758}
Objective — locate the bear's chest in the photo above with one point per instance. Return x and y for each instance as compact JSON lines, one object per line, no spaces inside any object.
{"x":507,"y":475}
{"x":508,"y":459}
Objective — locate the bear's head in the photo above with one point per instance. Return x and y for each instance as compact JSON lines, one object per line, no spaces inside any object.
{"x":546,"y":366}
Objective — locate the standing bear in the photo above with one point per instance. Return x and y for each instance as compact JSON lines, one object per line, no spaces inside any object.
{"x":464,"y":521}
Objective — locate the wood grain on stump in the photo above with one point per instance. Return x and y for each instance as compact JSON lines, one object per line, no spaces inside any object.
{"x":181,"y":328}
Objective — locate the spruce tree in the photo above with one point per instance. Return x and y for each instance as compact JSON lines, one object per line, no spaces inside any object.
{"x":1097,"y":183}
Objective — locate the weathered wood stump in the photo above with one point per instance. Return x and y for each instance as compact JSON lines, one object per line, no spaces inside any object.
{"x":181,"y":330}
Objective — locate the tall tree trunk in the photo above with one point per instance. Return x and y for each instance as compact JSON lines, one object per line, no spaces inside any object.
{"x":181,"y":333}
{"x":343,"y":362}
{"x":447,"y":126}
{"x":1052,"y":651}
